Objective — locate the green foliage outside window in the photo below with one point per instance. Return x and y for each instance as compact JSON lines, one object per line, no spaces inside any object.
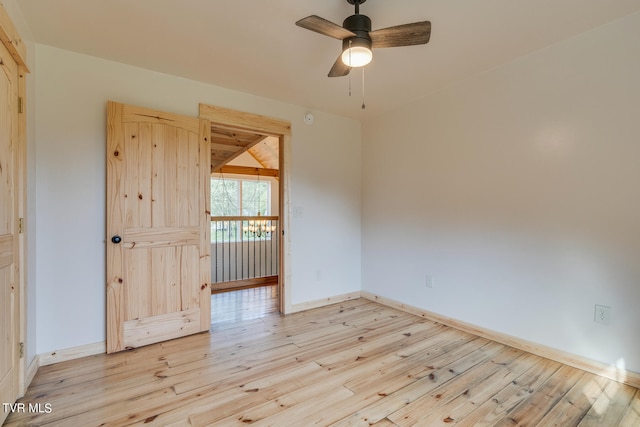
{"x":237,"y":197}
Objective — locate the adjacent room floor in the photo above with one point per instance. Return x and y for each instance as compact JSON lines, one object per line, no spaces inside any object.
{"x":244,"y":304}
{"x":355,"y":363}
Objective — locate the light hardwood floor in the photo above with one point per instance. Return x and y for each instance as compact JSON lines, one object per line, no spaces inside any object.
{"x":354,"y":363}
{"x":244,"y":304}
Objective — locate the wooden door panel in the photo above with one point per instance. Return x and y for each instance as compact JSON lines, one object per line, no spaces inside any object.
{"x":138,"y":208}
{"x":158,"y":203}
{"x":150,"y":330}
{"x":165,"y":283}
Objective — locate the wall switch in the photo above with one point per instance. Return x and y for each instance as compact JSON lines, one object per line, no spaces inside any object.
{"x":429,"y":281}
{"x":602,"y":314}
{"x":298,"y":212}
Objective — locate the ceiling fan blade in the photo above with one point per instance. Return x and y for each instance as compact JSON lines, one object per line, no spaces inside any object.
{"x":324,"y":27}
{"x":339,"y":68}
{"x":401,"y":35}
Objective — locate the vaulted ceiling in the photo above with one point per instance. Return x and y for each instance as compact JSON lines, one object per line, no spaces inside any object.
{"x":227,"y":144}
{"x":253,"y":46}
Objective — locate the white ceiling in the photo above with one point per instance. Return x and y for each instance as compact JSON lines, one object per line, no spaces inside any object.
{"x":254,"y":46}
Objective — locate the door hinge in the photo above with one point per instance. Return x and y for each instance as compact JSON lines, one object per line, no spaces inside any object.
{"x":20,"y":225}
{"x":21,"y":350}
{"x":20,"y":106}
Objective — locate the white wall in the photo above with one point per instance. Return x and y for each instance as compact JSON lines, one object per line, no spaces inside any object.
{"x":71,"y":92}
{"x":517,"y":191}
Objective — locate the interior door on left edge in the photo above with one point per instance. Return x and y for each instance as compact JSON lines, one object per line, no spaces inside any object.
{"x":9,"y":315}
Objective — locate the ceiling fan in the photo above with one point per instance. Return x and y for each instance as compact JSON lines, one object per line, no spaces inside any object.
{"x":358,"y":39}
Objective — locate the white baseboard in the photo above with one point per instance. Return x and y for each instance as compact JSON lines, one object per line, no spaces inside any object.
{"x":611,"y":372}
{"x":58,"y":356}
{"x":303,"y":306}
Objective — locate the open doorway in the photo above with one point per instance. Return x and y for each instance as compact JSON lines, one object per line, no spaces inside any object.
{"x":247,"y":221}
{"x":245,"y":225}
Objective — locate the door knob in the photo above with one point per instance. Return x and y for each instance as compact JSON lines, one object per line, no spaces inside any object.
{"x":116,"y":239}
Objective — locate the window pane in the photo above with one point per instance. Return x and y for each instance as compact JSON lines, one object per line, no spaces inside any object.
{"x":256,"y":197}
{"x":234,"y":197}
{"x":225,"y":197}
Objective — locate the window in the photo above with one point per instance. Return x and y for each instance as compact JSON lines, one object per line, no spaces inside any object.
{"x":237,"y":197}
{"x":225,"y":197}
{"x":256,"y":198}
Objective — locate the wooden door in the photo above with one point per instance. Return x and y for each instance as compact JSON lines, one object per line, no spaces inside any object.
{"x":158,"y":226}
{"x":9,"y":315}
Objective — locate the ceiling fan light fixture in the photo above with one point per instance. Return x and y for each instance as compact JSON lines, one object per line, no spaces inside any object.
{"x":357,"y":56}
{"x":358,"y":39}
{"x":357,"y":52}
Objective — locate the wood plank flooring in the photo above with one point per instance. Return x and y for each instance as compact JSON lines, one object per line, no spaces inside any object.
{"x":244,"y":304}
{"x":356,"y":363}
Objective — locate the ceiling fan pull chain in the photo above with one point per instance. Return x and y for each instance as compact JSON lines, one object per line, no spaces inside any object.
{"x":363,"y":106}
{"x":349,"y":62}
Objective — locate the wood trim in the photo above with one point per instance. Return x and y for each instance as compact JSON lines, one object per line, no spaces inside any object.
{"x":243,"y":284}
{"x":72,"y":353}
{"x":246,"y":218}
{"x":24,"y":376}
{"x":234,"y":119}
{"x":247,"y":170}
{"x":205,"y":225}
{"x":303,"y":306}
{"x":12,"y":40}
{"x":598,"y":368}
{"x":284,"y":270}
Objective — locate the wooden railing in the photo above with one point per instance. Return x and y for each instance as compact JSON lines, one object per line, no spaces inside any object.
{"x":244,"y":251}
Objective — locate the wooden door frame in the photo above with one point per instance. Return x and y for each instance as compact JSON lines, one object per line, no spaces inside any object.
{"x":281,"y":129}
{"x":11,"y":39}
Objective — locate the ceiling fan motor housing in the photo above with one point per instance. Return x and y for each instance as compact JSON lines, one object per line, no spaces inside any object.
{"x":360,"y":25}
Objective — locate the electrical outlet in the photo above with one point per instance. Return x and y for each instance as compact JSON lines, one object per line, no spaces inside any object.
{"x":602,"y":314}
{"x":429,"y":281}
